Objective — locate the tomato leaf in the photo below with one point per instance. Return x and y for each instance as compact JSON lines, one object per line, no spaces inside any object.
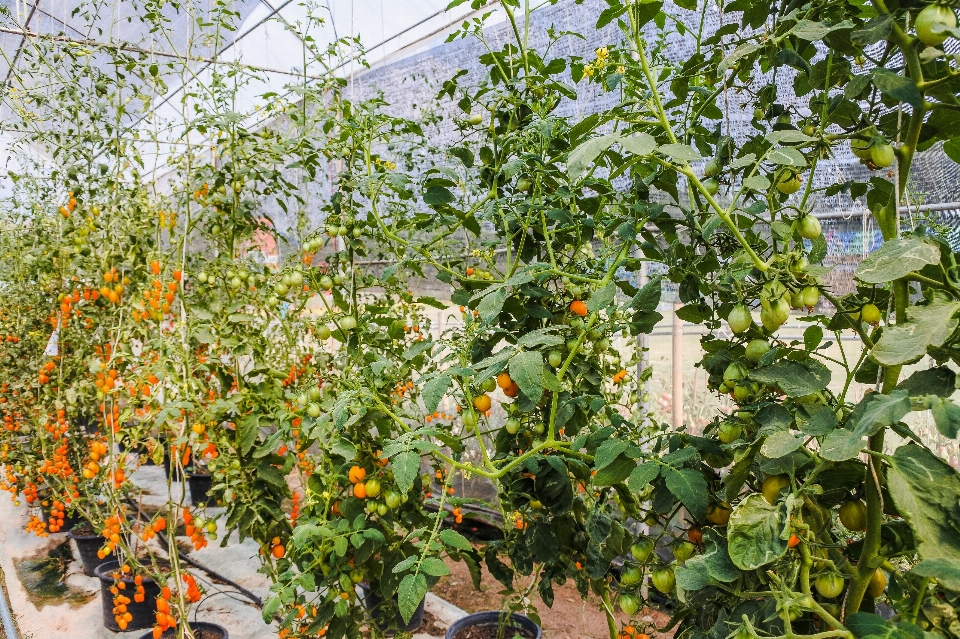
{"x":526,"y":369}
{"x":411,"y":592}
{"x":602,"y":298}
{"x":643,"y":475}
{"x":897,"y":87}
{"x":434,"y":390}
{"x":930,"y":325}
{"x":896,"y":258}
{"x":754,"y":533}
{"x":406,"y":465}
{"x":689,"y":487}
{"x":926,"y":491}
{"x":454,"y":539}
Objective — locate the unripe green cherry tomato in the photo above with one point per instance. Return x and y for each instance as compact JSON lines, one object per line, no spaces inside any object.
{"x":729,"y":432}
{"x":811,"y":295}
{"x":809,"y":227}
{"x":860,"y":148}
{"x":513,"y":425}
{"x":391,"y":499}
{"x":711,"y":168}
{"x":929,"y":16}
{"x":323,"y":332}
{"x":630,"y":575}
{"x":348,"y":323}
{"x":469,"y":419}
{"x":853,"y":515}
{"x":870,"y":314}
{"x":326,"y":283}
{"x":882,"y":155}
{"x":555,"y":358}
{"x":683,"y":551}
{"x":628,"y":604}
{"x":641,"y":549}
{"x":756,"y":349}
{"x":475,"y":119}
{"x":711,"y":186}
{"x":829,"y":585}
{"x":739,"y":319}
{"x":523,"y":185}
{"x":313,"y":410}
{"x":664,"y":580}
{"x":789,"y":182}
{"x":489,"y":385}
{"x":772,"y":486}
{"x":373,"y":487}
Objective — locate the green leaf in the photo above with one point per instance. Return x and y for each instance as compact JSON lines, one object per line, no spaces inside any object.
{"x":787,"y":156}
{"x":345,"y":448}
{"x":779,"y":444}
{"x":614,"y":471}
{"x":897,"y":87}
{"x":491,"y":305}
{"x":946,"y":415}
{"x":821,"y":421}
{"x":741,"y":51}
{"x":873,"y":31}
{"x":406,"y":466}
{"x":940,"y":381}
{"x":434,"y":567}
{"x":841,"y":445}
{"x":737,"y":477}
{"x":642,"y":144}
{"x":929,"y":325}
{"x":926,"y":491}
{"x":717,"y":557}
{"x":270,"y":608}
{"x":454,"y":539}
{"x":643,"y":475}
{"x":689,"y":487}
{"x":608,"y":451}
{"x":602,"y":298}
{"x":896,"y":258}
{"x":813,"y":31}
{"x":540,"y":337}
{"x":434,"y":390}
{"x":584,"y":155}
{"x":680,"y":152}
{"x":876,"y":411}
{"x":693,"y":575}
{"x":754,"y":533}
{"x":757,"y":183}
{"x":247,"y":432}
{"x":789,"y":136}
{"x":417,"y":348}
{"x":952,"y":149}
{"x":946,"y":570}
{"x":526,"y":369}
{"x":792,"y":378}
{"x":411,"y":592}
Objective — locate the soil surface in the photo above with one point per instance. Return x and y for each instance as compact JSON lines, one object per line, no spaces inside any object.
{"x":489,"y":631}
{"x":570,"y":618}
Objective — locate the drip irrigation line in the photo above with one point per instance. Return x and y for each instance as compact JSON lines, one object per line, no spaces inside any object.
{"x":210,"y":571}
{"x":9,"y":627}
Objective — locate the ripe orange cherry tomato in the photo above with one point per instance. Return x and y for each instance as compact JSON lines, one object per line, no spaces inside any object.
{"x":577,"y":307}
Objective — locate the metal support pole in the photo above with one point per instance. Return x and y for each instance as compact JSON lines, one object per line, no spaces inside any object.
{"x":677,"y":365}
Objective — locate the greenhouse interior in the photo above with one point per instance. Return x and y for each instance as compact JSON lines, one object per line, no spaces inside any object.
{"x":482,"y":319}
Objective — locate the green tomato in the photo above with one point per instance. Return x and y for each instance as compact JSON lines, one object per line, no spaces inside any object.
{"x":772,"y":486}
{"x":469,"y":419}
{"x":391,"y":499}
{"x":775,"y":314}
{"x":683,"y":551}
{"x":664,"y":580}
{"x":788,"y":182}
{"x":475,"y":119}
{"x":296,"y":278}
{"x":630,"y":575}
{"x":809,"y":227}
{"x":711,"y":168}
{"x":743,"y":393}
{"x":628,"y":604}
{"x":338,"y":280}
{"x":313,"y":410}
{"x":513,"y":425}
{"x":860,"y":148}
{"x":280,"y":289}
{"x":811,"y":295}
{"x":756,"y":349}
{"x":323,"y":332}
{"x":829,"y":585}
{"x":373,"y":487}
{"x":382,"y":509}
{"x":870,"y":314}
{"x":853,"y":515}
{"x":235,"y":282}
{"x":555,"y":358}
{"x":934,"y":14}
{"x":882,"y":155}
{"x":313,"y":393}
{"x":729,"y":431}
{"x":523,"y":185}
{"x":739,"y":319}
{"x":348,"y":323}
{"x":489,"y":385}
{"x":733,"y":373}
{"x":641,"y":549}
{"x":326,"y":283}
{"x":711,"y":186}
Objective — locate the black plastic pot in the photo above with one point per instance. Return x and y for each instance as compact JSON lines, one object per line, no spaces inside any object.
{"x":209,"y":630}
{"x":492,"y":619}
{"x":88,"y":546}
{"x":373,"y":601}
{"x":199,"y":488}
{"x":144,"y":614}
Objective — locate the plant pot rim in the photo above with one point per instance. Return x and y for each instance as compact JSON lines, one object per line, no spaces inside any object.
{"x":72,"y":535}
{"x":199,"y":625}
{"x":488,"y":616}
